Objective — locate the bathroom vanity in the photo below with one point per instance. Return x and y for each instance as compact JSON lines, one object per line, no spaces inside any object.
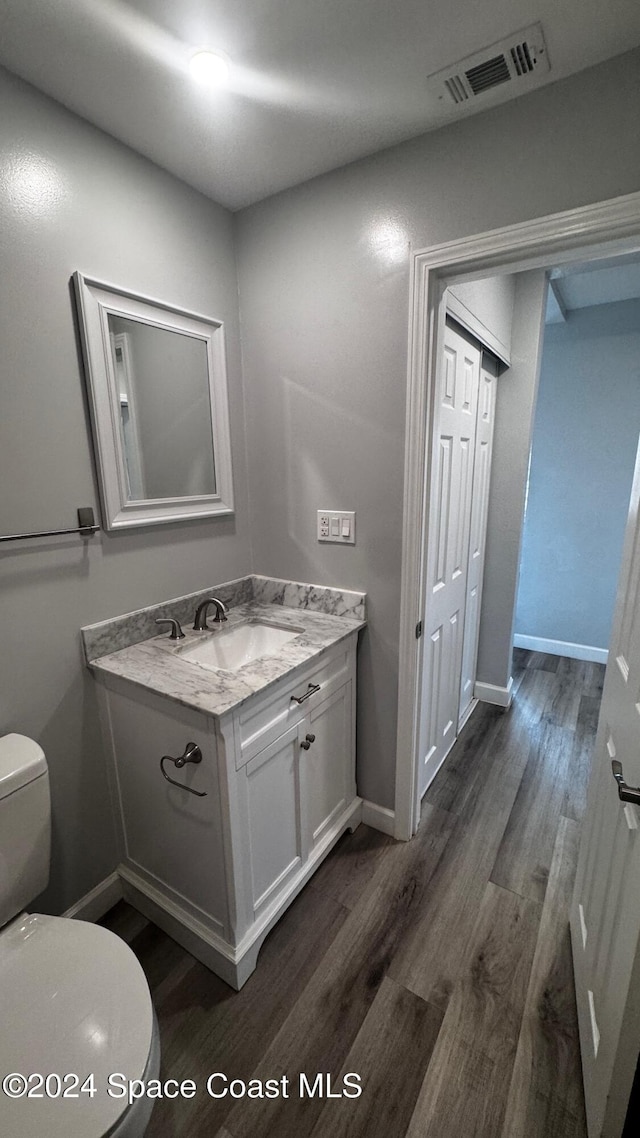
{"x":215,"y":846}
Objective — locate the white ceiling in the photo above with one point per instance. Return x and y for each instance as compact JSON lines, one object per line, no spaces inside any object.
{"x":315,"y":83}
{"x":596,"y":282}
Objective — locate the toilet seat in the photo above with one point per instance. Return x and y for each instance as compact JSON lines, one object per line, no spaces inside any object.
{"x":74,"y":1000}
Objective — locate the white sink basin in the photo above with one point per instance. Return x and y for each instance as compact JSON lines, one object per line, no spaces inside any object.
{"x":240,"y":645}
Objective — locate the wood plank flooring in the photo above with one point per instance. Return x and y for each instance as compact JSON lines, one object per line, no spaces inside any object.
{"x":439,"y":970}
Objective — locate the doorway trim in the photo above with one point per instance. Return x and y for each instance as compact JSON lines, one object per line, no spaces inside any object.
{"x":577,"y":234}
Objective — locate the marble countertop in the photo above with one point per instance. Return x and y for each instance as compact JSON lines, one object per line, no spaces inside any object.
{"x":160,"y":665}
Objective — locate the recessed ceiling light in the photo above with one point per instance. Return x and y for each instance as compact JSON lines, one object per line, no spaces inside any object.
{"x":209,"y":67}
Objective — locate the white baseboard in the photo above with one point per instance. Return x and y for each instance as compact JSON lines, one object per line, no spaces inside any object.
{"x":98,"y":901}
{"x":491,"y":693}
{"x":378,"y":817}
{"x":562,"y":648}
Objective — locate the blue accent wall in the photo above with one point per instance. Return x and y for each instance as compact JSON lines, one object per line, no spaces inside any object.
{"x":584,"y":446}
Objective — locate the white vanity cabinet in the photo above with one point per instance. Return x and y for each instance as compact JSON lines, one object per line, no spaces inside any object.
{"x":294,"y":790}
{"x":277,"y":780}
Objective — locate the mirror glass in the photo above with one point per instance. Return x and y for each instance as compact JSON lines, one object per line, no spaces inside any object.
{"x":157,"y":389}
{"x":165,"y":410}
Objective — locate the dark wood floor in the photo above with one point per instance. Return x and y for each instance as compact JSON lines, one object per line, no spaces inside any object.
{"x":439,"y":970}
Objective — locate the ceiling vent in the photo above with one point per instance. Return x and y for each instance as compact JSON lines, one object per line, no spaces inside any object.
{"x":517,"y":58}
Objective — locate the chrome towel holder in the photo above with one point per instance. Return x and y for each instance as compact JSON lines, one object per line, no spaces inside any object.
{"x":192,"y":754}
{"x":86,"y":527}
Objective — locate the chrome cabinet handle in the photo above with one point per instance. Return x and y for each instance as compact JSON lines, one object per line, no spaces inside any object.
{"x":625,"y":793}
{"x":307,"y":741}
{"x":311,"y":690}
{"x":192,"y":754}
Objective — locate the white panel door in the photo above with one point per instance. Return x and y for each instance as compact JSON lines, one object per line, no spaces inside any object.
{"x":479,"y":511}
{"x":605,"y":916}
{"x":448,"y":548}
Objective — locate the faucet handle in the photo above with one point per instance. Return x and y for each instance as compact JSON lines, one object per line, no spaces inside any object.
{"x":221,"y":610}
{"x":176,"y":631}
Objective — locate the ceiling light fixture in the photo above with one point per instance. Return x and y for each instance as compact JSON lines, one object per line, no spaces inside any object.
{"x":210,"y":68}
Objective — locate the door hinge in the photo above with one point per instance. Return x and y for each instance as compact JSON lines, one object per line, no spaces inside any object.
{"x":418,"y":630}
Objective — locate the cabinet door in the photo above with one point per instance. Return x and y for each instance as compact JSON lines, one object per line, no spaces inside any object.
{"x":275,"y":827}
{"x":328,"y":782}
{"x":170,"y":834}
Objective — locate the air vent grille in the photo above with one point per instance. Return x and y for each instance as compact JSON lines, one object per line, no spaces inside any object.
{"x":456,"y":89}
{"x":488,"y":74}
{"x":519,"y":59}
{"x":522,"y":60}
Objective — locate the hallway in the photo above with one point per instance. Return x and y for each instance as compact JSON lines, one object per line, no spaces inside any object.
{"x":439,"y":970}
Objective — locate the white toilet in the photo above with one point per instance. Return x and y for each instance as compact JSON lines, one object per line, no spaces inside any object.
{"x":73,"y":998}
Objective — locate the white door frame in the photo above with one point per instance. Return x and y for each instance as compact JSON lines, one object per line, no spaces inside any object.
{"x":575,"y":235}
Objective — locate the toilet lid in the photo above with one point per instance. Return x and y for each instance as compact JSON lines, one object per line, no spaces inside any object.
{"x":74,"y":1001}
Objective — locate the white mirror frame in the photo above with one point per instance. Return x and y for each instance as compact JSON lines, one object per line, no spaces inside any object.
{"x":96,"y":301}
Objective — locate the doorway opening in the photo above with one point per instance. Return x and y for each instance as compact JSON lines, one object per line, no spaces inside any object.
{"x":591,"y":233}
{"x":565,"y":451}
{"x":609,"y":856}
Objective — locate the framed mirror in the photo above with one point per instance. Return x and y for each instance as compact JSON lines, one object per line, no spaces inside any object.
{"x":158,"y":397}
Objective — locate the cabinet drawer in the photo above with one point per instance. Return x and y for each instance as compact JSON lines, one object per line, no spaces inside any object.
{"x":265,"y":719}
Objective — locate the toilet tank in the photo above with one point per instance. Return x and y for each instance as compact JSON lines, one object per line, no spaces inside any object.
{"x":25,"y":824}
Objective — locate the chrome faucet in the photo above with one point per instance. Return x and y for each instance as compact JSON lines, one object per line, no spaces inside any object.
{"x":200,"y":621}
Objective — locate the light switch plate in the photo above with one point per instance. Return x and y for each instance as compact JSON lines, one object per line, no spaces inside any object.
{"x":338,"y":526}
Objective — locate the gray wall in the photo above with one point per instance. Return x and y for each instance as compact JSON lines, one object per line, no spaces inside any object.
{"x":584,"y":448}
{"x":71,"y":198}
{"x":515,"y":406}
{"x":324,"y":290}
